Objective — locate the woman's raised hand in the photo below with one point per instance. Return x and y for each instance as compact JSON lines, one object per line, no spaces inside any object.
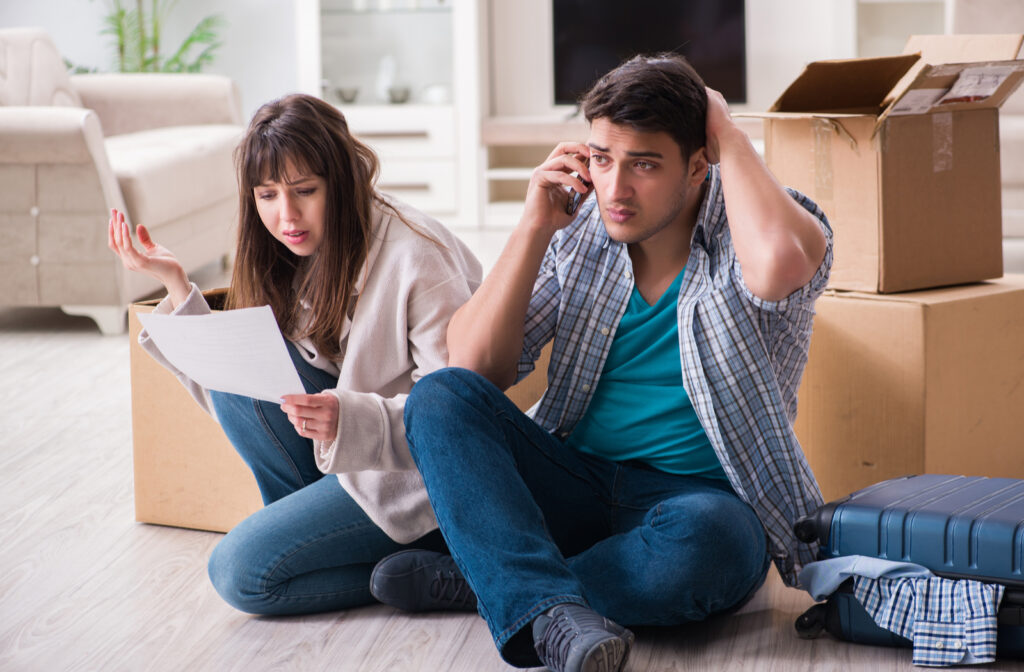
{"x":154,"y":260}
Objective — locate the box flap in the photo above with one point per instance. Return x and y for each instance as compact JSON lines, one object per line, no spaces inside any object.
{"x":856,"y":84}
{"x":939,"y":49}
{"x":949,"y":87}
{"x":936,"y":49}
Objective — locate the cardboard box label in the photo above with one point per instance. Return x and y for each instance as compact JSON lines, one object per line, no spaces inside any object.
{"x":918,"y":101}
{"x":975,"y":84}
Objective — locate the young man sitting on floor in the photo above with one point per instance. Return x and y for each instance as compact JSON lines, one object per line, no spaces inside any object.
{"x":660,"y":471}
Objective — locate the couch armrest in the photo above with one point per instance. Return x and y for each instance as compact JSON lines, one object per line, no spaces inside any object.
{"x":129,"y":102}
{"x":45,"y":136}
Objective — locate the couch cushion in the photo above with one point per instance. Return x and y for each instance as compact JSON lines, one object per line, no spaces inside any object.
{"x":32,"y":71}
{"x":167,"y":173}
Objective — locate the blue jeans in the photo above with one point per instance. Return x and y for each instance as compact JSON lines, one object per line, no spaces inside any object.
{"x":311,"y":548}
{"x":532,"y":522}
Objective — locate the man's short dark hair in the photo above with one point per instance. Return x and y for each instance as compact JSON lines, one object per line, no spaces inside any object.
{"x":653,"y":93}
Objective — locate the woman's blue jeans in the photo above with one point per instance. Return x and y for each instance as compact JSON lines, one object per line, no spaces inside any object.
{"x":532,"y":522}
{"x":311,"y":548}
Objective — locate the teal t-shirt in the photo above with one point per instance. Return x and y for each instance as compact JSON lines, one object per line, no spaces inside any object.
{"x":640,"y":409}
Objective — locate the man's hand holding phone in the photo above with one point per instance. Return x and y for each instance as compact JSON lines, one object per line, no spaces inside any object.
{"x":576,"y":197}
{"x":558,"y":186}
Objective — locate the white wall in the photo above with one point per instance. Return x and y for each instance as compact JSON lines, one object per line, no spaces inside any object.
{"x":259,"y":39}
{"x":74,"y":27}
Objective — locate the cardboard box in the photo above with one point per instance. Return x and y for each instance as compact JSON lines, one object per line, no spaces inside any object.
{"x":187,"y":473}
{"x":929,"y":381}
{"x":903,"y":157}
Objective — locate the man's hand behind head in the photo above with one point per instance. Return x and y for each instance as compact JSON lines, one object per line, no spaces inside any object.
{"x":719,"y":119}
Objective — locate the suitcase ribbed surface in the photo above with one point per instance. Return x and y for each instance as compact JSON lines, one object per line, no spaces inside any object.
{"x":957,"y":526}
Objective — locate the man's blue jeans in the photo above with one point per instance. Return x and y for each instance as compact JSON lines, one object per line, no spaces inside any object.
{"x":311,"y":548}
{"x":532,"y":522}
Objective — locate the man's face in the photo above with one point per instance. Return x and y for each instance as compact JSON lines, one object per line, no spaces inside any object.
{"x":643,"y":184}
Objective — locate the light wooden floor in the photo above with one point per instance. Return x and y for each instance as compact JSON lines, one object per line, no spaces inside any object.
{"x":84,"y":587}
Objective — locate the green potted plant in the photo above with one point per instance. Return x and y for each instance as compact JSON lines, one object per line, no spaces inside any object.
{"x":137,"y":35}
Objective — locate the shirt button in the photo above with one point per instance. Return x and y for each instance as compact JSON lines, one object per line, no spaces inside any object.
{"x":626,"y":274}
{"x":955,"y":644}
{"x":939,"y":645}
{"x":605,"y":331}
{"x":586,"y":387}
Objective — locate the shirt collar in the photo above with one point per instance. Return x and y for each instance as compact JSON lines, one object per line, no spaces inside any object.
{"x":707,"y":225}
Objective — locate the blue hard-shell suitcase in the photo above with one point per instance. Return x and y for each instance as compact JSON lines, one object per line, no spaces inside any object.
{"x":956,"y":526}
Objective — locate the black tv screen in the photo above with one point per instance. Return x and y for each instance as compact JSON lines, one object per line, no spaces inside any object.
{"x":594,"y":36}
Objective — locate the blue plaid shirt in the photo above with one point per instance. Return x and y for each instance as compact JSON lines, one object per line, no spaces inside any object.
{"x":950,"y":622}
{"x":742,"y":357}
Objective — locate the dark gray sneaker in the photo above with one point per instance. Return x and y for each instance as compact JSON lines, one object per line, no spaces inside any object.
{"x":573,"y":638}
{"x":417,"y":580}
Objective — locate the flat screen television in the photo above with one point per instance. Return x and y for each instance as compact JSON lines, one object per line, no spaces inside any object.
{"x":593,"y":36}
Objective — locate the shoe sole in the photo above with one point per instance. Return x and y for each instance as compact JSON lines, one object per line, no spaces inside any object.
{"x":608,"y":656}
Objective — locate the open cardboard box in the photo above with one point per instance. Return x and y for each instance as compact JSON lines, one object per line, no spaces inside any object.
{"x":929,"y":381}
{"x":187,"y":474}
{"x":902,"y":154}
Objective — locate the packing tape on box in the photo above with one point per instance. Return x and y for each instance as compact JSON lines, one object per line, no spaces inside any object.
{"x":823,"y":159}
{"x":823,"y":131}
{"x":942,"y":141}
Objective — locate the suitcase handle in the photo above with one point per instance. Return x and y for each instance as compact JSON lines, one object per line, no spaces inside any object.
{"x":806,"y":529}
{"x":816,"y":526}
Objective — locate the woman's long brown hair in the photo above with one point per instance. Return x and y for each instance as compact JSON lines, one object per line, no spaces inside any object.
{"x":314,"y":137}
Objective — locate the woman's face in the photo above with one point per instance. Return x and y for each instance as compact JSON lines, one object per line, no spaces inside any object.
{"x":293,"y":209}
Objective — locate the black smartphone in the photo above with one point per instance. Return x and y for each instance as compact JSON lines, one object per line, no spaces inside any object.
{"x":575,"y":197}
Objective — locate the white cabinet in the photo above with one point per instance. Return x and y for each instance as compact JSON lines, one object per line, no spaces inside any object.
{"x":417,"y":149}
{"x":390,"y":66}
{"x":515,"y":146}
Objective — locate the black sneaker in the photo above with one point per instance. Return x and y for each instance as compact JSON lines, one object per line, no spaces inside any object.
{"x":417,"y":580}
{"x":573,"y":638}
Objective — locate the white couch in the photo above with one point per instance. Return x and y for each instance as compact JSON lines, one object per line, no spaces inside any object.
{"x":1003,"y":16}
{"x":156,"y":146}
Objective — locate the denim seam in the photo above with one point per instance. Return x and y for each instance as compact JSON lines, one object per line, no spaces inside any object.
{"x":287,"y":555}
{"x":277,"y":442}
{"x":311,"y":597}
{"x":501,"y":638}
{"x":613,"y":506}
{"x":535,"y":611}
{"x":507,"y":421}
